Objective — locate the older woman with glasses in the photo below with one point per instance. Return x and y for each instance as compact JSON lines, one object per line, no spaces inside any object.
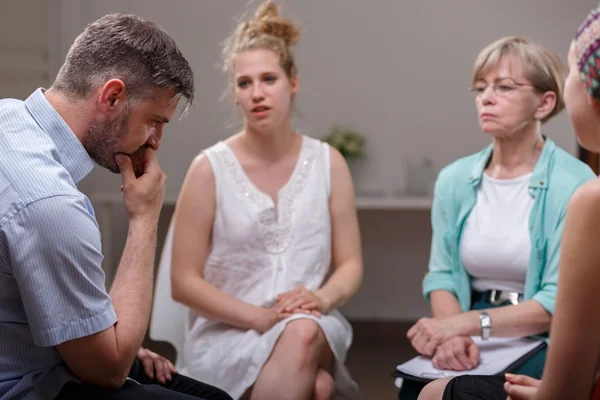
{"x":498,"y":216}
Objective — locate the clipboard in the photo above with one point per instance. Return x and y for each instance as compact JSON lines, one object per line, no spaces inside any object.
{"x":502,"y":354}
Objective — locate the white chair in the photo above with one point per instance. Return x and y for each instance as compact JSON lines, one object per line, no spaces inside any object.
{"x":168,"y":321}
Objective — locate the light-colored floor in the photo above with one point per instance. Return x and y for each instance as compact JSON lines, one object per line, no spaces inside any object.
{"x":376,"y":350}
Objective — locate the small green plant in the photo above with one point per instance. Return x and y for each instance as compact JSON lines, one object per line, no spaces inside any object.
{"x":348,"y":142}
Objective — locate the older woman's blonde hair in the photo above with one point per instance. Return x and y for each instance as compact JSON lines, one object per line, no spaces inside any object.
{"x":543,"y":68}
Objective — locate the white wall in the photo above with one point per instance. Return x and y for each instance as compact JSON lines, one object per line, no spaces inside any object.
{"x":397,"y":71}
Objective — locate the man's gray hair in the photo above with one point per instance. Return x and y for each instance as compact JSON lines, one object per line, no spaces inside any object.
{"x":132,"y":49}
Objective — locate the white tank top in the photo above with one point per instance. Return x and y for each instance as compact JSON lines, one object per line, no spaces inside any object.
{"x":495,"y":245}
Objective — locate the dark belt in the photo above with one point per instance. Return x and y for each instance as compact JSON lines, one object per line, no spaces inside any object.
{"x":500,"y":297}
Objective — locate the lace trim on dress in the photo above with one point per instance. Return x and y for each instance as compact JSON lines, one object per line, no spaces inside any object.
{"x":276,"y":222}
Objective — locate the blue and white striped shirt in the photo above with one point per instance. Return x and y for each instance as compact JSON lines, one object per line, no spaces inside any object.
{"x":52,"y":287}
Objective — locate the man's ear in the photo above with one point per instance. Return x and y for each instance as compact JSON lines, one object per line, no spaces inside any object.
{"x":112,"y":97}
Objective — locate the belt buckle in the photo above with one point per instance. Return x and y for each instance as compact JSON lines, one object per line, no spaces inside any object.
{"x":511,"y":297}
{"x":495,"y":297}
{"x":498,"y":297}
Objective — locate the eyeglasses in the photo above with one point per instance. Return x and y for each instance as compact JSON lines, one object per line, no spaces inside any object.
{"x":503,"y":88}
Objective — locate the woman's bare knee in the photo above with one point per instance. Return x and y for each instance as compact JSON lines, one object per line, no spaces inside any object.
{"x":303,"y":343}
{"x":434,"y":390}
{"x":304,"y":331}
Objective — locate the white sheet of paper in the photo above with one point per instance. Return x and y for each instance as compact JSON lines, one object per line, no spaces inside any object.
{"x":496,"y":354}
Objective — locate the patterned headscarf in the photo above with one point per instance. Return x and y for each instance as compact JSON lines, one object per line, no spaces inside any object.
{"x":587,"y":52}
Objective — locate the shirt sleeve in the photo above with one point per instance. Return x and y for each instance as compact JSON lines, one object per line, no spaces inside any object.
{"x":547,"y":290}
{"x":439,"y":275}
{"x":546,"y":295}
{"x":55,"y":251}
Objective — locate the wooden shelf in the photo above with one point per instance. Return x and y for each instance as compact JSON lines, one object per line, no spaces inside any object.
{"x":362,"y":202}
{"x":394,"y":203}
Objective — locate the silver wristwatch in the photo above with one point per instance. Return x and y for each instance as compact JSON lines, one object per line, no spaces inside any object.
{"x":486,"y":325}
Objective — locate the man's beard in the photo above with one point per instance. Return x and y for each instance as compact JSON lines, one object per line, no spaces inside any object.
{"x":103,"y":139}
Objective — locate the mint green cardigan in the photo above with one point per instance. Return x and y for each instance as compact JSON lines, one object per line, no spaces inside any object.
{"x":554,"y":179}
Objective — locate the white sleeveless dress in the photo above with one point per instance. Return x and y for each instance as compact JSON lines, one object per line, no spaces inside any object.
{"x":260,"y":250}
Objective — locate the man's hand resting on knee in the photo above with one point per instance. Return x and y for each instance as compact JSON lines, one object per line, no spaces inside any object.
{"x":156,"y":366}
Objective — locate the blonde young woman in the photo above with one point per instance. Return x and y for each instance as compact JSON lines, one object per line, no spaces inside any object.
{"x":260,"y":219}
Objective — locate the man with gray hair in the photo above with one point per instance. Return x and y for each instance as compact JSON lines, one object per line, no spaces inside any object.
{"x":61,"y":334}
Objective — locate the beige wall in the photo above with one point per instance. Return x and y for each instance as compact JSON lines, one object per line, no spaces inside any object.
{"x":23,"y":52}
{"x":397,"y":71}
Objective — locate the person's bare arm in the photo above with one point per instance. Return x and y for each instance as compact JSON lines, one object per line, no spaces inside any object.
{"x":459,"y":353}
{"x":574,"y":349}
{"x":345,"y":237}
{"x":444,"y":304}
{"x":524,"y":319}
{"x":104,"y":359}
{"x":194,"y":215}
{"x":346,"y":249}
